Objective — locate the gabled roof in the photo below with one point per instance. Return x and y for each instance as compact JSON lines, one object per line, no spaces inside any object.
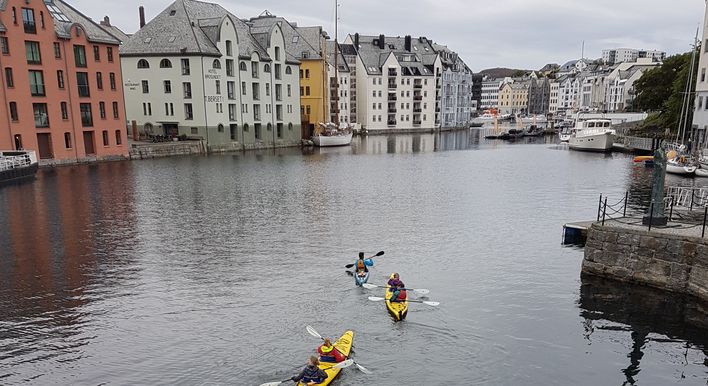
{"x":341,"y":62}
{"x":65,"y":16}
{"x":419,"y":61}
{"x":190,"y":27}
{"x":113,"y":30}
{"x":300,"y":44}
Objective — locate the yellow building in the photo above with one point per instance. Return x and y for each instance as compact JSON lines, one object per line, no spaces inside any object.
{"x":514,"y":98}
{"x":307,"y":45}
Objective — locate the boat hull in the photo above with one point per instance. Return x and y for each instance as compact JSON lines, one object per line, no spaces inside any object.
{"x":344,"y":346}
{"x":596,"y":143}
{"x":680,"y":170}
{"x":19,"y":174}
{"x":361,"y":280}
{"x":334,"y":140}
{"x":397,"y":310}
{"x":702,"y":172}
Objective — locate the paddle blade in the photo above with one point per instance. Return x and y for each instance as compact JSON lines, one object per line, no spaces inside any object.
{"x":363,"y":369}
{"x":273,"y":383}
{"x":312,"y":332}
{"x":343,"y":365}
{"x":434,"y":304}
{"x":422,"y":291}
{"x":369,"y":286}
{"x":348,"y":265}
{"x":379,"y":254}
{"x":376,"y":299}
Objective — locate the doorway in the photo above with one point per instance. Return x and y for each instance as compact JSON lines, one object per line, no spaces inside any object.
{"x":18,"y":142}
{"x":44,"y":143}
{"x":89,"y":145}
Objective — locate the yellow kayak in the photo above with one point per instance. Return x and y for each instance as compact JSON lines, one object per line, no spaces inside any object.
{"x":398,"y":310}
{"x":344,"y":345}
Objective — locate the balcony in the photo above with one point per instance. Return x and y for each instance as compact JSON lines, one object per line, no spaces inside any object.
{"x":418,"y":110}
{"x":392,"y":72}
{"x":418,"y":85}
{"x":417,"y":97}
{"x":392,"y":85}
{"x":392,"y":122}
{"x":417,"y":123}
{"x":392,"y":109}
{"x":30,"y":27}
{"x":392,"y":97}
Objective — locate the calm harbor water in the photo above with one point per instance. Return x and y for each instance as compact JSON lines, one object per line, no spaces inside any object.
{"x":206,"y":270}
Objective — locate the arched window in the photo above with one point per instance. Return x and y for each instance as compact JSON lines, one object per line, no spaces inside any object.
{"x":288,"y":70}
{"x":270,"y":127}
{"x":290,"y":126}
{"x":142,"y":63}
{"x":245,"y":127}
{"x":216,"y":64}
{"x":148,"y":128}
{"x":242,"y":66}
{"x":220,"y":128}
{"x":266,"y":68}
{"x":165,"y":63}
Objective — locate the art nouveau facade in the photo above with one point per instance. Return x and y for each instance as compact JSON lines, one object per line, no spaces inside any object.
{"x":457,"y":103}
{"x":197,"y":70}
{"x":700,"y":115}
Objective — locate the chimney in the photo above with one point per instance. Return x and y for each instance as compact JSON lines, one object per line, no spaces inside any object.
{"x":382,"y":41}
{"x":408,"y":43}
{"x":106,"y":21}
{"x":142,"y":16}
{"x":356,"y":40}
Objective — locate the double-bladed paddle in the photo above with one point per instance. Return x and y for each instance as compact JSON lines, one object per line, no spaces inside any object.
{"x":420,"y":291}
{"x":347,"y":362}
{"x":376,"y":255}
{"x":340,"y":365}
{"x":378,"y":299}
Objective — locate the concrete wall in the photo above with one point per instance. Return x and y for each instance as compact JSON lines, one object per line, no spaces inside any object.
{"x":662,"y":260}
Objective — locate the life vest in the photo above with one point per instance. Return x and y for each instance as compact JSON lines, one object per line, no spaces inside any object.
{"x":326,"y":350}
{"x":360,"y":265}
{"x":402,"y":295}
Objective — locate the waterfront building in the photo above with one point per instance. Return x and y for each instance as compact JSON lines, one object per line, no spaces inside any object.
{"x":341,"y":87}
{"x":457,"y":102}
{"x":490,"y":92}
{"x":568,"y":93}
{"x":700,"y":115}
{"x":477,"y":80}
{"x":553,"y":97}
{"x":539,"y":96}
{"x":398,"y":82}
{"x":514,"y":98}
{"x":548,"y":69}
{"x":113,"y":30}
{"x":619,"y":84}
{"x":61,"y":84}
{"x":572,"y":67}
{"x":199,"y":71}
{"x":630,"y":55}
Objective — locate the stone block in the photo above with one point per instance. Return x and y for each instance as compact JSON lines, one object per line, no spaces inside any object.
{"x":682,"y":247}
{"x":628,"y":239}
{"x":616,"y":247}
{"x":652,"y":242}
{"x":620,"y":273}
{"x":593,"y":268}
{"x":678,"y":280}
{"x":698,"y":283}
{"x":641,"y":253}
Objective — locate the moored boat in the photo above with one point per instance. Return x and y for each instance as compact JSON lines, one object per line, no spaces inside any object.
{"x":702,"y":172}
{"x":340,"y":139}
{"x":564,"y":135}
{"x":593,"y":135}
{"x":344,"y":346}
{"x":398,"y":310}
{"x":17,"y":165}
{"x":679,"y":168}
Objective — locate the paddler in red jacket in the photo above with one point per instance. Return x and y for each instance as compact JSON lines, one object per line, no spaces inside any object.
{"x":328,"y":353}
{"x":397,"y":288}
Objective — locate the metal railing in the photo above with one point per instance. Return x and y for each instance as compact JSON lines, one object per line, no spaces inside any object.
{"x":14,"y":162}
{"x":683,"y":212}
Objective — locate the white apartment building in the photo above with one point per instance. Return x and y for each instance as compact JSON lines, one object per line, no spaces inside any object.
{"x":700,"y":115}
{"x":629,"y":55}
{"x":490,"y":92}
{"x":200,"y":71}
{"x":553,"y":103}
{"x":343,"y":76}
{"x":568,"y":93}
{"x":398,"y":82}
{"x":457,"y":104}
{"x":619,"y":84}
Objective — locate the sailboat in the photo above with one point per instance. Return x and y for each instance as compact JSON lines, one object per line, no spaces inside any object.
{"x":333,"y":133}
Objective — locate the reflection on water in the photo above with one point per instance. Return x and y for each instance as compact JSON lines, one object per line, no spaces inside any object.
{"x":642,"y":316}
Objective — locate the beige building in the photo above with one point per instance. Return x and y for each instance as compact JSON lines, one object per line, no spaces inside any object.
{"x":514,"y":98}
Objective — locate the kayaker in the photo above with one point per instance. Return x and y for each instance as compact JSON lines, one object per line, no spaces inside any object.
{"x":311,"y":374}
{"x":362,"y":264}
{"x":397,"y":289}
{"x":328,"y":353}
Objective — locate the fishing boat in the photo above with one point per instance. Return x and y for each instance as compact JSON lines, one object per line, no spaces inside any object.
{"x":17,"y":165}
{"x":398,"y":310}
{"x":344,"y":346}
{"x":593,"y":135}
{"x":511,"y":135}
{"x":534,"y":131}
{"x":360,"y":280}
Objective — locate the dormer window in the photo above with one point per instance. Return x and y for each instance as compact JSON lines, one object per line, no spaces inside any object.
{"x":173,"y":12}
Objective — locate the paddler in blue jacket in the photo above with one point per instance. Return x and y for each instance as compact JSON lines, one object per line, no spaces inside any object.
{"x":311,"y":374}
{"x":362,"y":264}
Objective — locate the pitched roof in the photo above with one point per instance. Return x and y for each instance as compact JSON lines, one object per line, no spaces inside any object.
{"x":65,"y":16}
{"x":113,"y":30}
{"x":341,"y":62}
{"x":299,"y":41}
{"x":418,"y":61}
{"x":190,"y":27}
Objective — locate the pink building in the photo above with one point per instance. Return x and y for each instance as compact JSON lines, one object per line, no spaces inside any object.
{"x":61,"y":86}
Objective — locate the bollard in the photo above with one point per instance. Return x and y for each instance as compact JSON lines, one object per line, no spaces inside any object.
{"x":604,"y":211}
{"x":599,"y":207}
{"x":705,"y":215}
{"x":626,"y":196}
{"x":651,"y":215}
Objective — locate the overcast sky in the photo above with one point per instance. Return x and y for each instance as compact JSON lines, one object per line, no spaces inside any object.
{"x":493,"y":33}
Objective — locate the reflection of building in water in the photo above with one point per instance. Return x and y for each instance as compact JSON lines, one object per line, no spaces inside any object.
{"x":395,"y":144}
{"x":644,"y":311}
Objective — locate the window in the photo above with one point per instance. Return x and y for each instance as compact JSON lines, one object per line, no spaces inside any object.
{"x":64,"y":111}
{"x":185,"y":66}
{"x":279,"y":129}
{"x":86,"y":117}
{"x":83,"y":84}
{"x":233,"y":128}
{"x":57,"y":50}
{"x":4,"y":45}
{"x":102,"y":109}
{"x":80,"y":56}
{"x":231,"y":90}
{"x":119,"y":138}
{"x":307,"y":74}
{"x":229,"y":51}
{"x":168,"y":87}
{"x":36,"y":79}
{"x":289,"y":90}
{"x":290,"y":126}
{"x":257,"y":112}
{"x":13,"y":111}
{"x":254,"y":70}
{"x":146,"y":86}
{"x":302,"y":91}
{"x":218,"y":87}
{"x":277,"y":53}
{"x":194,"y":130}
{"x":242,"y":66}
{"x":230,"y":67}
{"x":28,"y":21}
{"x":278,"y":92}
{"x":267,"y":89}
{"x":257,"y":130}
{"x":266,"y":68}
{"x":96,"y":53}
{"x":8,"y":78}
{"x":307,"y":90}
{"x":33,"y":54}
{"x":277,"y":72}
{"x":243,"y":88}
{"x":288,"y":70}
{"x":115,"y":110}
{"x":109,"y":54}
{"x":256,"y":91}
{"x":165,"y":63}
{"x":232,"y":112}
{"x":188,"y":114}
{"x":142,"y":63}
{"x":99,"y":81}
{"x":60,"y":79}
{"x":41,"y":116}
{"x":105,"y":137}
{"x":67,"y":140}
{"x":220,"y":128}
{"x":216,"y":64}
{"x":112,"y":80}
{"x":14,"y":15}
{"x":187,"y":90}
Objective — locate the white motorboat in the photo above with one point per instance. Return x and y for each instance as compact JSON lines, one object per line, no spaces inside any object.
{"x":676,"y":167}
{"x":593,"y":135}
{"x":340,"y":139}
{"x":702,"y":172}
{"x":565,"y":135}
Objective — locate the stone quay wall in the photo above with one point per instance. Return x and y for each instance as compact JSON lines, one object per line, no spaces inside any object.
{"x":664,"y":260}
{"x":166,"y":149}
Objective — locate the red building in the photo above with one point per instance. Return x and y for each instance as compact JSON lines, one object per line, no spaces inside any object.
{"x":61,"y":86}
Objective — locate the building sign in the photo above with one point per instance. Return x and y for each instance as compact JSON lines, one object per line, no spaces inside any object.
{"x":212,"y":74}
{"x":132,"y":86}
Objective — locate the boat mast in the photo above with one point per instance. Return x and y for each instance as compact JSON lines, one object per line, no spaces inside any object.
{"x":683,"y":121}
{"x":336,"y":64}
